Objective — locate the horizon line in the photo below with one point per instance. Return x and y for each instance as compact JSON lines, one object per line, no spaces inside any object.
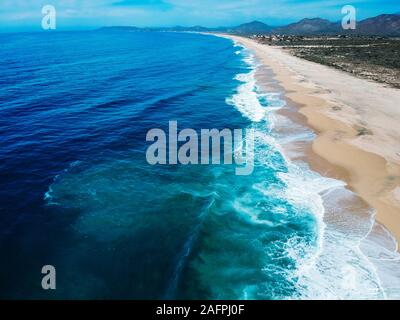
{"x":96,"y":27}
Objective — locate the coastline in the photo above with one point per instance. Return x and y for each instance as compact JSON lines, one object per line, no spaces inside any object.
{"x":356,"y":122}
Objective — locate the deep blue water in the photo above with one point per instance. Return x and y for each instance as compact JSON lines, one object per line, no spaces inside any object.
{"x":77,"y":193}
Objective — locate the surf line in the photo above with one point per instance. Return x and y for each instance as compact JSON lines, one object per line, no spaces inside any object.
{"x":187,"y":147}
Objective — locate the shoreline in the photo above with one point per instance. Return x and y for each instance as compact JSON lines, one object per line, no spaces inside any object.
{"x":355,"y":122}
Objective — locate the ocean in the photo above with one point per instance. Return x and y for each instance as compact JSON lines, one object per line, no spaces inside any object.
{"x":77,"y":192}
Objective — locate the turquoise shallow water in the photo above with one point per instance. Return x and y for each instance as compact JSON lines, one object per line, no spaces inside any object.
{"x":78,"y":193}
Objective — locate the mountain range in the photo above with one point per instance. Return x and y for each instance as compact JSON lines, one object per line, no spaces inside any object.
{"x":382,"y":25}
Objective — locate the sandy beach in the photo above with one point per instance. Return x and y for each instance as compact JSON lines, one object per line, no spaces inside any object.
{"x":357,"y":126}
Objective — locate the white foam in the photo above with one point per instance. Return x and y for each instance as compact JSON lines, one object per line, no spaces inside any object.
{"x":273,"y":99}
{"x":381,"y":248}
{"x":353,"y":260}
{"x":347,"y":262}
{"x":338,"y":269}
{"x":246,"y":99}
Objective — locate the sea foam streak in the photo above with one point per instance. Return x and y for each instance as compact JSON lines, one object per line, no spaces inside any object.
{"x":346,"y":262}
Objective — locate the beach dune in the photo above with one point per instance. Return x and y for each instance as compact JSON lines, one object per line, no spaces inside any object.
{"x":357,"y":122}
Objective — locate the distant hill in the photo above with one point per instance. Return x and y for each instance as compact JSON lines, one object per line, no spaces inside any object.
{"x":383,"y":25}
{"x":193,"y":29}
{"x":309,"y":27}
{"x":255,"y":27}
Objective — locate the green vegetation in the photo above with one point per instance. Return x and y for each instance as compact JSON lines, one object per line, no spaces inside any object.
{"x":375,"y":58}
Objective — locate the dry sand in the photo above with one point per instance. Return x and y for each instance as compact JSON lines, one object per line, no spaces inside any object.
{"x":357,"y":122}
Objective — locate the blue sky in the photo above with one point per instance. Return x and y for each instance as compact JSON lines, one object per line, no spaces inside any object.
{"x":82,"y":14}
